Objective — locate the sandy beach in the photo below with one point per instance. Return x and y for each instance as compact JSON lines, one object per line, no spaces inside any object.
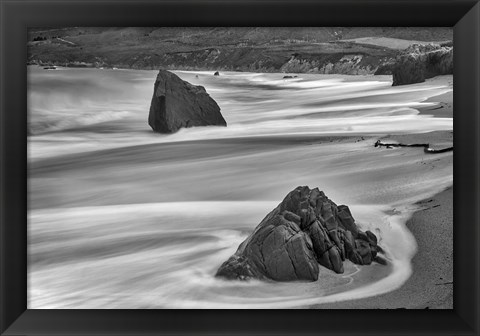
{"x":444,"y":106}
{"x":431,"y":283}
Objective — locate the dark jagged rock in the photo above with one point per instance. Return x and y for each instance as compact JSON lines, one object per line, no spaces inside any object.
{"x":177,"y":103}
{"x":216,"y":73}
{"x":419,"y":62}
{"x":304,"y":231}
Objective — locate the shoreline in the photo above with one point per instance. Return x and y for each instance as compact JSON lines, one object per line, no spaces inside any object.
{"x":431,"y":284}
{"x":443,"y":107}
{"x":208,"y":71}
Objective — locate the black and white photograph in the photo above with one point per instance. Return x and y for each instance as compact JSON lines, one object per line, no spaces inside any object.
{"x":240,"y":167}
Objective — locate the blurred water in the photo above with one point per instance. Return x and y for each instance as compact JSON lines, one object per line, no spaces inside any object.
{"x":120,"y":217}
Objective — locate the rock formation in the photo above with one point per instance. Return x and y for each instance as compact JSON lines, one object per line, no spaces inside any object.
{"x":419,"y":62}
{"x":304,"y":231}
{"x":177,"y":103}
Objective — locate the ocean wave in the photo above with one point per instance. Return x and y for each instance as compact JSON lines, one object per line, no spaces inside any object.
{"x":174,"y":266}
{"x":73,"y":98}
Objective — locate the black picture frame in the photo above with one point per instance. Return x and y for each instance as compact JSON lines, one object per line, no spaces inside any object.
{"x":17,"y":15}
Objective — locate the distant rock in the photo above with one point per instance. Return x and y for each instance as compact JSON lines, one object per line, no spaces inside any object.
{"x":305,"y":231}
{"x":216,"y":73}
{"x":177,"y":103}
{"x":419,"y":62}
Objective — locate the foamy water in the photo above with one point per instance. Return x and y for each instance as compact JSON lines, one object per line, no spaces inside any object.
{"x":121,"y":217}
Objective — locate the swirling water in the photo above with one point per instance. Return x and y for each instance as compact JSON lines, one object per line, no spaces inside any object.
{"x":120,"y":217}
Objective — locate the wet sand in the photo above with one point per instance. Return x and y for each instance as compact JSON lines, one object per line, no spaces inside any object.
{"x":444,"y":106}
{"x":431,"y":284}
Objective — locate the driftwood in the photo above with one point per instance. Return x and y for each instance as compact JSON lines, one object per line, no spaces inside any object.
{"x":426,"y":147}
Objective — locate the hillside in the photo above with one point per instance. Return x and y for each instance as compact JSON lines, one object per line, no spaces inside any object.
{"x":322,"y":50}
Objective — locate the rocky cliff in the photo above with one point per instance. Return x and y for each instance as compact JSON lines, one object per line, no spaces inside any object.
{"x":323,"y":50}
{"x":326,"y":50}
{"x":304,"y":232}
{"x":420,"y":62}
{"x":177,"y":103}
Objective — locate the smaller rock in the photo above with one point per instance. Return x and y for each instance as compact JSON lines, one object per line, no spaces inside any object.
{"x":380,"y":260}
{"x":362,"y":236}
{"x":216,"y":73}
{"x":363,"y":248}
{"x":356,"y":258}
{"x":371,"y":237}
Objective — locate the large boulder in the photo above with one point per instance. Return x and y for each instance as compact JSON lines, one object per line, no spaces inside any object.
{"x":307,"y":230}
{"x":419,"y":62}
{"x":177,"y":103}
